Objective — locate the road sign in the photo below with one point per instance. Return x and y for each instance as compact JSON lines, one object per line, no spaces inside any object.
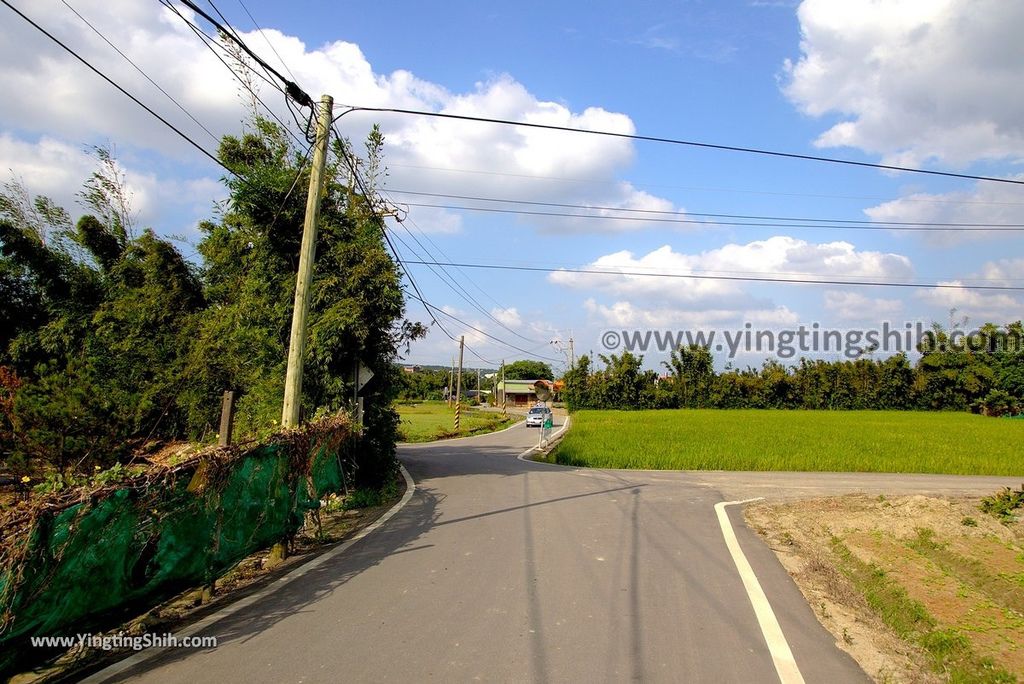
{"x":363,"y":376}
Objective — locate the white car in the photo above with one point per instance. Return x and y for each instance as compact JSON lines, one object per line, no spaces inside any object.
{"x":537,"y":416}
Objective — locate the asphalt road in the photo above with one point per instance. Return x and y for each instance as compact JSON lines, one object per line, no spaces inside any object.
{"x":503,"y":570}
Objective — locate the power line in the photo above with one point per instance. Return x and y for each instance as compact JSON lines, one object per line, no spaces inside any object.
{"x":687,"y":143}
{"x":853,"y":223}
{"x":798,"y":274}
{"x":134,"y":99}
{"x":702,"y":276}
{"x":269,"y":44}
{"x":453,"y":284}
{"x":483,"y":332}
{"x":746,"y":191}
{"x":466,"y":276}
{"x":605,"y":217}
{"x":139,"y":69}
{"x":210,"y":43}
{"x":430,"y":308}
{"x":357,"y":179}
{"x":301,"y":166}
{"x":291,"y":88}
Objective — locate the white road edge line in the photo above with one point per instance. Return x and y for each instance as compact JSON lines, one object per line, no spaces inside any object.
{"x":782,"y":656}
{"x":123,"y":665}
{"x":523,"y":456}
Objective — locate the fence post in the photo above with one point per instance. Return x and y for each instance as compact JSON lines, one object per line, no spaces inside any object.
{"x":227,"y":418}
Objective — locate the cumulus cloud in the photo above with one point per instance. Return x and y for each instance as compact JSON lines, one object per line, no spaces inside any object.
{"x":86,"y":109}
{"x":854,"y":306}
{"x":57,"y":170}
{"x":984,"y":203}
{"x":778,"y":255}
{"x":648,"y":301}
{"x":980,"y":305}
{"x":509,"y":316}
{"x":914,"y":81}
{"x":628,"y":314}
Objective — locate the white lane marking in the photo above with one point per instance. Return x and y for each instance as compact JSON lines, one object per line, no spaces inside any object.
{"x":522,"y":456}
{"x":782,"y":656}
{"x":123,"y":665}
{"x":440,"y":442}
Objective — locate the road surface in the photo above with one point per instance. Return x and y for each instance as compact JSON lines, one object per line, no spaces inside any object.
{"x":499,"y":569}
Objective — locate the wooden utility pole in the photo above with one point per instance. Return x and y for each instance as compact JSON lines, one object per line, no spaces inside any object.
{"x":304,"y":280}
{"x":504,"y":390}
{"x":451,"y":383}
{"x":458,"y":382}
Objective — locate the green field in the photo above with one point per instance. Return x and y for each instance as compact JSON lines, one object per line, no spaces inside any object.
{"x":427,"y":421}
{"x":837,"y":441}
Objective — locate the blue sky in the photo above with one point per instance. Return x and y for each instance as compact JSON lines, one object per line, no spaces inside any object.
{"x":931,"y":85}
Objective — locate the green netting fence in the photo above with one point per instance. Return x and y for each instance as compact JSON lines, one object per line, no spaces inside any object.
{"x":82,"y":566}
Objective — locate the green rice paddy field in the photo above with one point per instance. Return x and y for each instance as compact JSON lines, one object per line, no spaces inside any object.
{"x":427,"y":421}
{"x":837,"y":441}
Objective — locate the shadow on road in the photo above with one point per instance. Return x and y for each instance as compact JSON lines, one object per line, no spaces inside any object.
{"x":398,"y":536}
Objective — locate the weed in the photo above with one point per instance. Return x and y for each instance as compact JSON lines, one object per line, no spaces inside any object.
{"x":1003,"y":504}
{"x":968,"y":521}
{"x":950,"y":652}
{"x":366,"y":497}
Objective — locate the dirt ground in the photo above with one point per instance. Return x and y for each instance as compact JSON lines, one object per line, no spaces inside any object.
{"x":965,"y":568}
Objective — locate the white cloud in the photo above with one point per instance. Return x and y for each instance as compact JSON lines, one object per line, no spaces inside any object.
{"x":982,"y":306}
{"x":509,"y":316}
{"x":853,"y":306}
{"x":779,"y":255}
{"x":627,"y":314}
{"x":914,"y":80}
{"x":984,"y":203}
{"x":57,"y":170}
{"x":85,"y":109}
{"x":432,"y":221}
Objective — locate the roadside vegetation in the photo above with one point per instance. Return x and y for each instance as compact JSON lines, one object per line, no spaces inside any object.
{"x":916,"y":588}
{"x":830,"y":441}
{"x":113,"y":341}
{"x":427,"y":421}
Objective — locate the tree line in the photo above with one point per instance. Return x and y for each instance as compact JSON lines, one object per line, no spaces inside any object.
{"x":983,"y":372}
{"x":111,"y":341}
{"x":430,"y":383}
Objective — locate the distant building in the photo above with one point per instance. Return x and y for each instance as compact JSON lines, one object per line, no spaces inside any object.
{"x":412,"y":369}
{"x":521,"y":392}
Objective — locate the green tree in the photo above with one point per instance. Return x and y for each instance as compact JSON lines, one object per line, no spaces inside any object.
{"x":528,"y":370}
{"x":692,"y":372}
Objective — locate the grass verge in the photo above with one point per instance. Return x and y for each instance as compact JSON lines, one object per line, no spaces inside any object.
{"x":836,"y":441}
{"x":949,"y":650}
{"x":428,"y":421}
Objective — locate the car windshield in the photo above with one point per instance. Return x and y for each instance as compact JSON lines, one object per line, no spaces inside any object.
{"x":537,"y":410}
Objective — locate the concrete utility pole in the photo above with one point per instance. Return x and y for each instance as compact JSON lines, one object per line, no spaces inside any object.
{"x":458,"y":382}
{"x":307,"y":254}
{"x":479,"y":388}
{"x":572,"y":352}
